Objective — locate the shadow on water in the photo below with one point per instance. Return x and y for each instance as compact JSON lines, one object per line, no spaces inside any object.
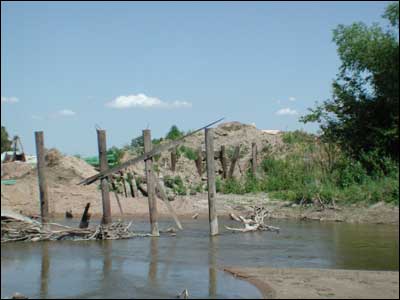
{"x":162,"y":267}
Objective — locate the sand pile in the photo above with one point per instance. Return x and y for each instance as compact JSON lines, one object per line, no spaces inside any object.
{"x":63,"y":174}
{"x":15,"y":170}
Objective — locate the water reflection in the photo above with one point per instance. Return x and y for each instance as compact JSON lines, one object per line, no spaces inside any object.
{"x":162,"y":267}
{"x":212,"y":263}
{"x":44,"y":271}
{"x":106,"y":247}
{"x":153,"y":261}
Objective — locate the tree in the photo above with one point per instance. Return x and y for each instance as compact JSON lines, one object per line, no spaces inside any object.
{"x":174,"y":133}
{"x":363,"y":114}
{"x":5,"y":142}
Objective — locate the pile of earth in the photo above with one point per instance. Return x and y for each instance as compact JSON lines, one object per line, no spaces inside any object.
{"x":230,"y":135}
{"x":63,"y":173}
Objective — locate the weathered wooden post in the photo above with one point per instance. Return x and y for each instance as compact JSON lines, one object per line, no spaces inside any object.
{"x":223,"y":162}
{"x":212,"y":211}
{"x":85,"y":217}
{"x":254,"y":158}
{"x":41,"y":166}
{"x":132,"y":185}
{"x":199,"y":161}
{"x":235,"y":158}
{"x":151,"y":185}
{"x":105,"y":193}
{"x":173,"y":159}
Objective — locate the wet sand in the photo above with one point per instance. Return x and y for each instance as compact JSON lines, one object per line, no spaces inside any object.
{"x":276,"y":283}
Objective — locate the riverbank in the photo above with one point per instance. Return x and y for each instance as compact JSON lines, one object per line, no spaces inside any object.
{"x":188,"y":206}
{"x":276,"y":283}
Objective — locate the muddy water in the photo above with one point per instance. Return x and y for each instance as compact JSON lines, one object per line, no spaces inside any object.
{"x":163,"y":267}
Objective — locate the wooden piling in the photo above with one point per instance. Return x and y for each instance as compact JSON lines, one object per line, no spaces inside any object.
{"x":254,"y":158}
{"x":41,"y":167}
{"x":223,"y":162}
{"x":85,"y":217}
{"x":151,"y":186}
{"x":123,"y":182}
{"x":173,"y":159}
{"x":105,"y":193}
{"x":212,"y":211}
{"x":132,"y":185}
{"x":233,"y":161}
{"x":199,"y":161}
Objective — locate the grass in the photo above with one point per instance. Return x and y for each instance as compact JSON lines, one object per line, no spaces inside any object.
{"x":309,"y":169}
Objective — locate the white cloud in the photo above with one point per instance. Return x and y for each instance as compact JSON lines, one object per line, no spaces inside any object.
{"x":9,"y":99}
{"x":286,"y":111}
{"x":143,"y":101}
{"x":292,"y":98}
{"x":66,"y":112}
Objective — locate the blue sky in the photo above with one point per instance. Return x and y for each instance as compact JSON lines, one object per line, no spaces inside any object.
{"x":126,"y":66}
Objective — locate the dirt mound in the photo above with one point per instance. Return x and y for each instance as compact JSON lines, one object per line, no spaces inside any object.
{"x":52,"y":157}
{"x":63,"y":174}
{"x":15,"y":169}
{"x":230,"y":135}
{"x":77,"y":166}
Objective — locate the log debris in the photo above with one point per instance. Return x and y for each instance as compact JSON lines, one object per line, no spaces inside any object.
{"x":13,"y":230}
{"x":254,"y":223}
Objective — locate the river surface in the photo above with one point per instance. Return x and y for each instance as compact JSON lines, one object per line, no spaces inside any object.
{"x":163,"y":267}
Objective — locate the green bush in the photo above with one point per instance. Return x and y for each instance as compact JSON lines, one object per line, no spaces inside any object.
{"x":176,"y":184}
{"x":189,"y":153}
{"x":296,"y":137}
{"x":232,"y":186}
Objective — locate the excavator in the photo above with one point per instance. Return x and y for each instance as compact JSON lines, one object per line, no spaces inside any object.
{"x":18,"y":153}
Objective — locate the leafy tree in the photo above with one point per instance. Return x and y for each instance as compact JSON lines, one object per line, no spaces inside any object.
{"x":5,"y":141}
{"x":363,"y":114}
{"x":137,"y":142}
{"x":174,"y":133}
{"x":116,"y":153}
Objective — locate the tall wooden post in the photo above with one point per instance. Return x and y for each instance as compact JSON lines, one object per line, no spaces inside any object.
{"x":151,"y":185}
{"x":212,"y":211}
{"x":254,"y":158}
{"x":105,"y":193}
{"x":41,"y":166}
{"x":173,"y":159}
{"x":223,"y":162}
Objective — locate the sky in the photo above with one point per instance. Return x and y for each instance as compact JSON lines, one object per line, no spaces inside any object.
{"x":67,"y":68}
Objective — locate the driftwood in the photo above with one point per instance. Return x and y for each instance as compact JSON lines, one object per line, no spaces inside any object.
{"x":254,"y":223}
{"x":184,"y":294}
{"x":17,"y":229}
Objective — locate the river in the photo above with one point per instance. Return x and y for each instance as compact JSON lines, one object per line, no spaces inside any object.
{"x":163,"y":267}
